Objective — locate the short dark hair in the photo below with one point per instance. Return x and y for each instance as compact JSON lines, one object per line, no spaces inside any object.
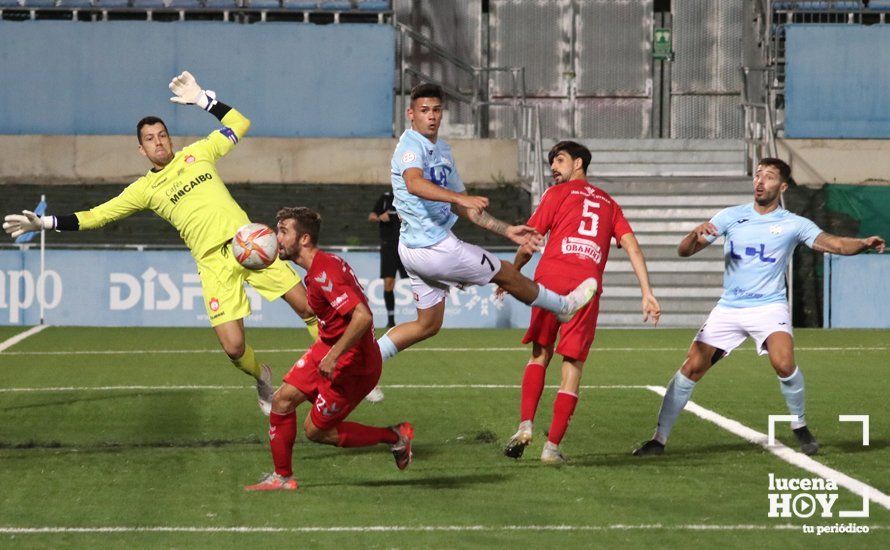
{"x":574,"y":150}
{"x":781,"y":166}
{"x":147,"y":121}
{"x":426,"y":90}
{"x":307,"y":221}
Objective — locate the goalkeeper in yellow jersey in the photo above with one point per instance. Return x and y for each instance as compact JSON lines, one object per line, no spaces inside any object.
{"x":185,"y":189}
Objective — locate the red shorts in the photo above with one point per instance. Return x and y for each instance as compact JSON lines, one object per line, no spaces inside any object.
{"x":575,"y":337}
{"x":357,"y":372}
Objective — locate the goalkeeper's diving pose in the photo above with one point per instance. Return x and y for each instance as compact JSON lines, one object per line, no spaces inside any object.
{"x":185,"y":189}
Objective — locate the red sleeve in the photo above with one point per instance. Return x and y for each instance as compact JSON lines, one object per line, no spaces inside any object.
{"x":343,"y":296}
{"x":542,"y":218}
{"x":620,"y":227}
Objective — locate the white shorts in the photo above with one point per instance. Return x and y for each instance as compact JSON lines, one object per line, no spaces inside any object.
{"x":450,"y":262}
{"x":727,"y":327}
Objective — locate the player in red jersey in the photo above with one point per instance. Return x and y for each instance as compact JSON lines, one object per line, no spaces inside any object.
{"x":581,"y":220}
{"x":338,"y":370}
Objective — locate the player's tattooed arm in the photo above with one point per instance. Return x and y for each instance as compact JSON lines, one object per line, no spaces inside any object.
{"x":696,"y":240}
{"x":486,"y":221}
{"x":847,"y":246}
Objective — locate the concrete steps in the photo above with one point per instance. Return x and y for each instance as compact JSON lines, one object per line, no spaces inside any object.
{"x":664,"y":157}
{"x":662,"y":211}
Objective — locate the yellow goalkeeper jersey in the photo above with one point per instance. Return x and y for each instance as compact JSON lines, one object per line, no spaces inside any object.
{"x":188,"y":192}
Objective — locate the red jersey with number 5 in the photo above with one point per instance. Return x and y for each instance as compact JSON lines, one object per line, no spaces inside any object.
{"x":581,"y":220}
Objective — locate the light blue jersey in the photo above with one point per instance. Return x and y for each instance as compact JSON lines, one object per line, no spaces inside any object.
{"x":424,"y":222}
{"x":756,"y":252}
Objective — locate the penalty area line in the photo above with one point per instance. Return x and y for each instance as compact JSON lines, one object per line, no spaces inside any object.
{"x":9,"y":342}
{"x":34,"y":330}
{"x":405,"y":528}
{"x":784,"y":452}
{"x":386,"y":387}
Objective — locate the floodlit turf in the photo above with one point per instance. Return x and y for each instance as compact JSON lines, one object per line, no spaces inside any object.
{"x":155,"y":458}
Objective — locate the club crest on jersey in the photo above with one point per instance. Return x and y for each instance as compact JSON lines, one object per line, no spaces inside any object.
{"x":775,"y":229}
{"x":214,"y":304}
{"x":409,"y":156}
{"x":582,"y":247}
{"x":189,"y":159}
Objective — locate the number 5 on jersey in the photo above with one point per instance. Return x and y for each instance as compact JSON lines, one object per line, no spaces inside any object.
{"x":589,"y":217}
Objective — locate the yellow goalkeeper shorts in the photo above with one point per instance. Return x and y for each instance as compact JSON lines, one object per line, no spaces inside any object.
{"x":222,"y":282}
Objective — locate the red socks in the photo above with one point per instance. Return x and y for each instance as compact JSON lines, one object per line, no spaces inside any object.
{"x":282,"y":434}
{"x":532,"y":387}
{"x":563,"y":408}
{"x":353,"y":434}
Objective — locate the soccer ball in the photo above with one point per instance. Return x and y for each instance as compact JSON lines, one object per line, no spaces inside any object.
{"x":255,"y":246}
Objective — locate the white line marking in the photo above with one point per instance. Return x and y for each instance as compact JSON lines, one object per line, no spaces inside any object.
{"x":413,"y":350}
{"x":407,"y":528}
{"x":785,"y":453}
{"x":390,"y":387}
{"x":8,"y":343}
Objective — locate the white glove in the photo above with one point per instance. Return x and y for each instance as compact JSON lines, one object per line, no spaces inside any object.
{"x":189,"y":93}
{"x":16,"y":224}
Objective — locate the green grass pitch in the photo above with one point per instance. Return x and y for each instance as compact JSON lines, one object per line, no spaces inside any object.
{"x":170,"y":433}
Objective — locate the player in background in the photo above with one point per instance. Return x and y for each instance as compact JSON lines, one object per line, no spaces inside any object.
{"x":426,"y":184}
{"x":759,"y":239}
{"x":338,"y":370}
{"x":581,"y":220}
{"x":185,"y":189}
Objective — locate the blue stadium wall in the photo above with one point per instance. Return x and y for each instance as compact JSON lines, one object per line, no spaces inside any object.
{"x":837,"y":81}
{"x":291,"y":80}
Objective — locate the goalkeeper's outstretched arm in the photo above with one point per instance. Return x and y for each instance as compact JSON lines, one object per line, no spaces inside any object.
{"x":187,"y":92}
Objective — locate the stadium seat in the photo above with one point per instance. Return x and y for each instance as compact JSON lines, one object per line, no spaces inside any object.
{"x":40,"y":3}
{"x":298,"y":5}
{"x":76,"y":3}
{"x":373,"y":5}
{"x":879,"y":5}
{"x":10,"y":3}
{"x":112,"y":3}
{"x":264,"y":4}
{"x":221,"y":4}
{"x":149,"y":4}
{"x":335,"y":5}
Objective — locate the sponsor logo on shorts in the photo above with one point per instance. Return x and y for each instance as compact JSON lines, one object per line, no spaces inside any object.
{"x":214,"y":304}
{"x":582,"y":247}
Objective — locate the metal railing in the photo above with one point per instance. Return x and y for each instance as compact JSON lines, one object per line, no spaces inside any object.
{"x":760,"y":116}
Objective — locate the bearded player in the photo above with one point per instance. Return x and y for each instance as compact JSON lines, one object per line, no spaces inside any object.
{"x":185,"y":189}
{"x":580,"y":220}
{"x":338,"y":370}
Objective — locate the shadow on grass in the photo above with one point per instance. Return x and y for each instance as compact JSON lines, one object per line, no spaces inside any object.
{"x":118,"y":446}
{"x":431,"y":482}
{"x":856,"y":446}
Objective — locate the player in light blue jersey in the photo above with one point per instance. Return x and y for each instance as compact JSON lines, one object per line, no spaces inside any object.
{"x":759,"y":239}
{"x":426,"y":186}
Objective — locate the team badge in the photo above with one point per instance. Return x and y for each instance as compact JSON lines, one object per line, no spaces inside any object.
{"x":409,"y":156}
{"x":775,"y":229}
{"x":189,"y":159}
{"x":301,"y":363}
{"x":214,"y":304}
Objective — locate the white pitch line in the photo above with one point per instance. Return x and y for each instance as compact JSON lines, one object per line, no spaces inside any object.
{"x":405,"y":528}
{"x":390,"y":387}
{"x":413,"y":350}
{"x":9,"y":342}
{"x":784,"y":452}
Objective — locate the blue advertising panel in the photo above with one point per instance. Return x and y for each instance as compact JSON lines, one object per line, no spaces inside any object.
{"x":162,"y":288}
{"x":857,"y":291}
